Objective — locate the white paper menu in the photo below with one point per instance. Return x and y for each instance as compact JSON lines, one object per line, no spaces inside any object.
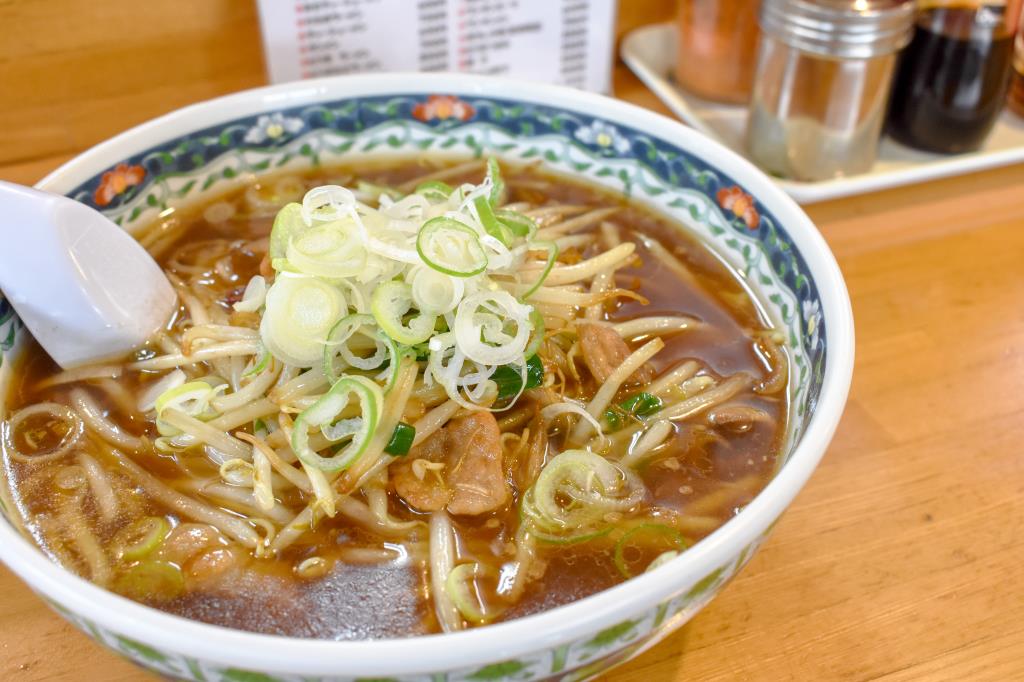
{"x":568,"y":42}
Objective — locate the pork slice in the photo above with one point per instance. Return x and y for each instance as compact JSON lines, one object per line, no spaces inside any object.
{"x":604,"y":350}
{"x":474,"y":468}
{"x":431,"y":492}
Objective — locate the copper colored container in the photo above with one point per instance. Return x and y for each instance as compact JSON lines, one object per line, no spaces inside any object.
{"x":717,"y":48}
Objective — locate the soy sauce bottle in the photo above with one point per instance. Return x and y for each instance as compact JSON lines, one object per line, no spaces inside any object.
{"x":1016,"y":98}
{"x":952,"y":79}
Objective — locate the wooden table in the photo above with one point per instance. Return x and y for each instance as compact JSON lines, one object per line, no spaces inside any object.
{"x":904,"y":556}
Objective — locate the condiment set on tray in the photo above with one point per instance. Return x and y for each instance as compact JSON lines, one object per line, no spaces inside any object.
{"x":839,"y":97}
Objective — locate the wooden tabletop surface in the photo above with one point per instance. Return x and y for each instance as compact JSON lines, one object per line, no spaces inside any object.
{"x":902,"y":559}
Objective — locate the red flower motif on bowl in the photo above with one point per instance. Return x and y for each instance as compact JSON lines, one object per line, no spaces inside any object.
{"x":117,"y":181}
{"x":741,"y":204}
{"x":443,"y":107}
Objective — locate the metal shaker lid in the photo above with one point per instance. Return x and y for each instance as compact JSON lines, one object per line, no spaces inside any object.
{"x":844,"y":29}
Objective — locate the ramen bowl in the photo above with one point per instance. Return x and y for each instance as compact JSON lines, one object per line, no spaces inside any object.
{"x":732,"y":207}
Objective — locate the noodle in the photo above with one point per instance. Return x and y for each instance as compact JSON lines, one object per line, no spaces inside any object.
{"x":651,"y":438}
{"x":238,"y":499}
{"x":574,"y":224}
{"x":187,"y":506}
{"x":206,"y":353}
{"x":444,"y":174}
{"x":205,"y":433}
{"x":607,"y":261}
{"x":434,"y":420}
{"x":653,"y":325}
{"x":99,"y":484}
{"x":673,"y":377}
{"x":93,"y":417}
{"x":84,"y":540}
{"x":442,"y":561}
{"x":70,"y":376}
{"x":778,"y":367}
{"x":293,"y":475}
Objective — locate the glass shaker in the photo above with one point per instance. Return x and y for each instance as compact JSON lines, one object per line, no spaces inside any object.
{"x":822,"y":84}
{"x":951,"y":82}
{"x":717,"y":48}
{"x":1016,"y":97}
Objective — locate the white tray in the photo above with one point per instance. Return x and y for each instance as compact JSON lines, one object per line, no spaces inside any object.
{"x":650,"y":52}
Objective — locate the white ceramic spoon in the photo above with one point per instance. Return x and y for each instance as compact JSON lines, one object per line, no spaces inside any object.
{"x":85,"y":289}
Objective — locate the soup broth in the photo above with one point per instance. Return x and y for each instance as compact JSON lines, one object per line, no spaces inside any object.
{"x":180,"y":527}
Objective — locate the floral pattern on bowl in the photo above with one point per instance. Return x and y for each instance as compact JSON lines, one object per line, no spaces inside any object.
{"x":718,"y":208}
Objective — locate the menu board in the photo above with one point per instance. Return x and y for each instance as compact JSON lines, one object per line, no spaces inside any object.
{"x":568,"y":42}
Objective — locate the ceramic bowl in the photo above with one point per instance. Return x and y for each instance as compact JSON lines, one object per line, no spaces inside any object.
{"x":734,"y":208}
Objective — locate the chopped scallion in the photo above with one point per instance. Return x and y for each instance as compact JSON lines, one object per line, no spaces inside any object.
{"x":401,"y":440}
{"x":509,"y":379}
{"x":637,"y":406}
{"x":641,"y":405}
{"x":434,"y":189}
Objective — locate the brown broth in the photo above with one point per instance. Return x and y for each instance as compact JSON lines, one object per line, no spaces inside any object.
{"x":710,"y":470}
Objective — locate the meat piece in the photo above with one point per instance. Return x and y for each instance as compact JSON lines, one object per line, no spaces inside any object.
{"x":423,"y":489}
{"x":213,"y":565}
{"x":604,"y":350}
{"x":474,"y":468}
{"x":187,"y":540}
{"x":266,"y":269}
{"x":531,"y":458}
{"x":472,"y":481}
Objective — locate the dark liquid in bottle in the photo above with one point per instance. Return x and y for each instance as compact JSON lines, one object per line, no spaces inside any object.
{"x":1016,"y":97}
{"x":952,"y":79}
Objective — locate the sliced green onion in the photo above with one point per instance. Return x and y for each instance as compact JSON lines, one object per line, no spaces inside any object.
{"x":655,"y":533}
{"x":323,"y":412}
{"x":552,"y":250}
{"x":401,"y":440}
{"x":492,"y":328}
{"x":151,"y":580}
{"x":520,"y":225}
{"x":537,"y":322}
{"x":435,"y":292}
{"x":259,"y":366}
{"x":462,"y":587}
{"x":570,"y":538}
{"x":331,"y":250}
{"x":497,"y":184}
{"x":300,"y":312}
{"x":192,"y":399}
{"x":141,"y":537}
{"x":510,"y":381}
{"x":421,"y":351}
{"x":661,"y":560}
{"x":491,"y":224}
{"x":254,"y":296}
{"x":395,"y":353}
{"x":288,"y":222}
{"x":375,"y":191}
{"x":434,"y":190}
{"x":450,"y":247}
{"x":576,"y":490}
{"x":259,"y":428}
{"x":611,"y":421}
{"x":337,"y":344}
{"x":390,"y":303}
